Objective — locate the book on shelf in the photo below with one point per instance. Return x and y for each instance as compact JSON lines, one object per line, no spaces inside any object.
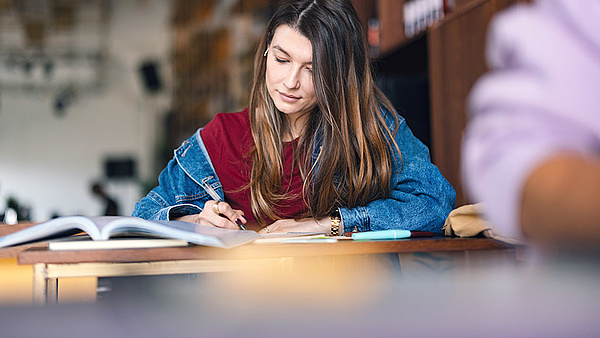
{"x":106,"y":228}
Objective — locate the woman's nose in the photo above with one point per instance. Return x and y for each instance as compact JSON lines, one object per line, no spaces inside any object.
{"x":292,"y":79}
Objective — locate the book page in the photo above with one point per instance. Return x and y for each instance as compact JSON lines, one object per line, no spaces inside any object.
{"x":282,"y":237}
{"x":191,"y":232}
{"x":58,"y":227}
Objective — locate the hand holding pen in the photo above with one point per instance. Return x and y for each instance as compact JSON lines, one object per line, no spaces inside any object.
{"x":223,"y":209}
{"x":217,"y":214}
{"x":230,"y":214}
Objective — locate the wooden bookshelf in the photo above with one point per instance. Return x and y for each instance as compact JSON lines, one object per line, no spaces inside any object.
{"x":454,"y":49}
{"x":456,"y":60}
{"x":212,"y":52}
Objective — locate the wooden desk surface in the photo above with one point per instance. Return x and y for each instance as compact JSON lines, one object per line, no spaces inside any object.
{"x":14,"y":251}
{"x":6,"y":229}
{"x":260,"y":251}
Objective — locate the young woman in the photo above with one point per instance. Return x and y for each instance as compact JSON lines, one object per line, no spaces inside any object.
{"x":319,"y":148}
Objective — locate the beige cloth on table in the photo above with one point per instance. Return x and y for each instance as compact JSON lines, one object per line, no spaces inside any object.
{"x":467,"y":221}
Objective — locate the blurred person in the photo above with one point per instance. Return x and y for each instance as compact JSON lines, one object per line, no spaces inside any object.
{"x":531,"y":151}
{"x":319,"y":149}
{"x":111,"y":207}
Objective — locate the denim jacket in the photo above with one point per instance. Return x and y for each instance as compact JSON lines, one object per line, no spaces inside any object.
{"x":420,"y":200}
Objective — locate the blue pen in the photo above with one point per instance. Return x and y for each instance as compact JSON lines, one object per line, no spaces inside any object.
{"x":382,"y":234}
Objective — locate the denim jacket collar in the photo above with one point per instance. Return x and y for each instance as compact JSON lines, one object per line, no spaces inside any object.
{"x":201,"y":172}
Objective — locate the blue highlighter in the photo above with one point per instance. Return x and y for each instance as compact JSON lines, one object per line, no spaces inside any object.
{"x":382,"y":234}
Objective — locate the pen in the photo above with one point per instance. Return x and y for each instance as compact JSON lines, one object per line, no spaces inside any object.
{"x":213,"y":194}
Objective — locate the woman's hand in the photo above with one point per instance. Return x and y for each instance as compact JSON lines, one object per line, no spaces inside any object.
{"x":217,"y":214}
{"x":322,"y":225}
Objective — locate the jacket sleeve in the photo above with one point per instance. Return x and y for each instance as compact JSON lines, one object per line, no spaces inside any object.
{"x":166,"y":202}
{"x":420,"y":200}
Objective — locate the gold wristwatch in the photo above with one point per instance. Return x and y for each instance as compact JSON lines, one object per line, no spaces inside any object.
{"x":336,"y":221}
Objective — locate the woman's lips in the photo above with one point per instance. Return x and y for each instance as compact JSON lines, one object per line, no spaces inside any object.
{"x":288,"y":98}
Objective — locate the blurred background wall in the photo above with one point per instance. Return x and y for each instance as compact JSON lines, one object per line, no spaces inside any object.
{"x":101,"y":90}
{"x":73,"y":101}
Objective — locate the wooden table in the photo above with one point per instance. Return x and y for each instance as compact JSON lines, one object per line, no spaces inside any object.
{"x":50,"y":266}
{"x":13,"y":252}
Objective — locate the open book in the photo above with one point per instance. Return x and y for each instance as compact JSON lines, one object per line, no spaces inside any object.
{"x":104,"y":227}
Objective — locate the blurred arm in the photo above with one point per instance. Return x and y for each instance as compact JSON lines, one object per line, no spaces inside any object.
{"x":561,"y":202}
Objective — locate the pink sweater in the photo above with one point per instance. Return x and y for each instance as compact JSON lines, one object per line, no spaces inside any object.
{"x":541,"y":96}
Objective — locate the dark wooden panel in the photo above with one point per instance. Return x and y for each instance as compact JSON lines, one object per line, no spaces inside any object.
{"x":462,"y":4}
{"x":391,"y":24}
{"x":365,"y":10}
{"x":456,"y":59}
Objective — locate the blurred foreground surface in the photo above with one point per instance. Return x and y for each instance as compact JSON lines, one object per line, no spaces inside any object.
{"x":555,"y":299}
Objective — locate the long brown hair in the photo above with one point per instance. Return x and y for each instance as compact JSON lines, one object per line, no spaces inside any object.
{"x":353,"y":166}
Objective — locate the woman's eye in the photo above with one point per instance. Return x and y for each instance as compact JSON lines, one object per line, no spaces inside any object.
{"x":280,"y":60}
{"x":309,"y":70}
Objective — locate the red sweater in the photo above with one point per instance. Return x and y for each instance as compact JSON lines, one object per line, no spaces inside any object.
{"x":228,"y":140}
